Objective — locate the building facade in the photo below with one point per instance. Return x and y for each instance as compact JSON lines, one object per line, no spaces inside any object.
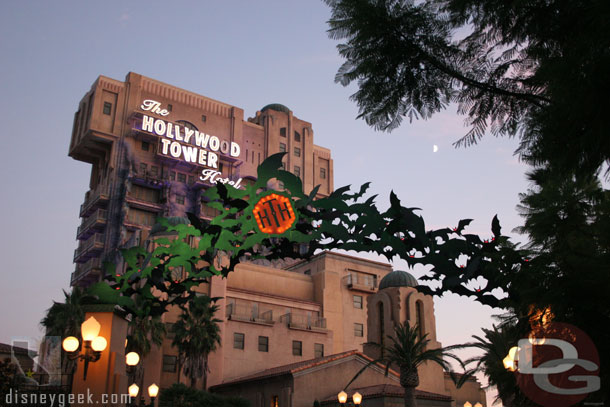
{"x":154,"y":149}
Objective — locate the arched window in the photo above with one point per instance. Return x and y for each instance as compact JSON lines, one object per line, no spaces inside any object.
{"x":381,"y":326}
{"x":186,"y":124}
{"x":419,"y":318}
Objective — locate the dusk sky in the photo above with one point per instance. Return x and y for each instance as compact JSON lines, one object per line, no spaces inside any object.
{"x":244,"y":53}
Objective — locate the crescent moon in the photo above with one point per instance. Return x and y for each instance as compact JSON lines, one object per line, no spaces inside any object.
{"x":435,"y":148}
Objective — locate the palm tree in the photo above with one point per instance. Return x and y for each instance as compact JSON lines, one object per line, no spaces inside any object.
{"x":496,"y":345}
{"x":144,"y":331}
{"x":408,"y":350}
{"x":196,"y":335}
{"x":64,"y":319}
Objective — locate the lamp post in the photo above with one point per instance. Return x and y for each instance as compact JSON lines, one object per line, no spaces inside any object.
{"x":131,"y":360}
{"x":94,"y":345}
{"x":153,"y":391}
{"x":356,"y":398}
{"x":133,"y":394}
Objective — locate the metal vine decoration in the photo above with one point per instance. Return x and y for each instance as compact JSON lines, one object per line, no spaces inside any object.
{"x":258,"y":222}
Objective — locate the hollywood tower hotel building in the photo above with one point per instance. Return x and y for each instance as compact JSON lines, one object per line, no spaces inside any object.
{"x":148,"y":143}
{"x":154,"y":149}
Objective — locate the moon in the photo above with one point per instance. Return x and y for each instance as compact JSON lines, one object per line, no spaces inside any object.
{"x":434,"y":148}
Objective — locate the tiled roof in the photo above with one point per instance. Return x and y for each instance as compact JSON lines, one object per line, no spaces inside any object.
{"x":390,"y":390}
{"x":296,"y":367}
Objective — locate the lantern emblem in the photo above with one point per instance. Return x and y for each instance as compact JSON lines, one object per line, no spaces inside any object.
{"x":274,"y":214}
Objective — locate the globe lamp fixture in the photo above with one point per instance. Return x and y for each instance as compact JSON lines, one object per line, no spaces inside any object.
{"x":94,"y":344}
{"x":356,"y":398}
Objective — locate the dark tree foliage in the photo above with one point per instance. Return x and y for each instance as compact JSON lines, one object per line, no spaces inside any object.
{"x":495,"y":345}
{"x":179,"y":395}
{"x":535,"y":69}
{"x":568,"y":223}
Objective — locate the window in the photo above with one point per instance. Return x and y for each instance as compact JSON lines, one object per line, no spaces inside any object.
{"x":180,"y":199}
{"x":177,"y":273}
{"x":220,"y":167}
{"x":297,"y":152}
{"x":282,"y":148}
{"x":358,"y":301}
{"x":297,"y":348}
{"x":169,"y":107}
{"x":172,"y":175}
{"x":204,"y":118}
{"x":323,"y":173}
{"x":169,"y":363}
{"x":191,"y":179}
{"x":318,"y":350}
{"x":139,"y":217}
{"x":263,"y":344}
{"x":107,"y":108}
{"x":358,"y":329}
{"x":297,"y":170}
{"x":145,"y":146}
{"x":169,"y":331}
{"x":143,"y":167}
{"x":419,"y":318}
{"x":181,"y":177}
{"x":186,"y":124}
{"x":275,"y":401}
{"x":283,"y":132}
{"x":154,"y":171}
{"x":145,"y":194}
{"x":382,"y":327}
{"x":297,"y":137}
{"x":238,"y":340}
{"x":207,"y":211}
{"x":307,"y":272}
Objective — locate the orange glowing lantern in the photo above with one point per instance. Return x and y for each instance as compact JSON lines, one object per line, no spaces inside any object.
{"x":274,"y":214}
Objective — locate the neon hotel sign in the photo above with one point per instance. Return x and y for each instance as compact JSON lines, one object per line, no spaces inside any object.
{"x":181,"y":143}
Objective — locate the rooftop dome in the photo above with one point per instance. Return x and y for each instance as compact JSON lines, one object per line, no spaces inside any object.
{"x":398,"y":278}
{"x":278,"y":107}
{"x":159,"y":229}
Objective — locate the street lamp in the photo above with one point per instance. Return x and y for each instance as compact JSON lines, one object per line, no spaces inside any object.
{"x":133,"y":393}
{"x":131,"y":360}
{"x":94,"y":345}
{"x":511,"y":361}
{"x":356,"y":398}
{"x":153,"y":390}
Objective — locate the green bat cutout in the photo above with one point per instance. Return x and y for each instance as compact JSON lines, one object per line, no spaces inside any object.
{"x":343,"y":220}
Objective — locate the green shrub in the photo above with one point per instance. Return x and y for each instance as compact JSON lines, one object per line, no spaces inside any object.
{"x":180,"y":395}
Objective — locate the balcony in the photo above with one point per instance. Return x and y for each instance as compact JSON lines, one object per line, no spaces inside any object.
{"x":94,"y":223}
{"x":86,"y":273}
{"x":249,"y":313}
{"x":304,"y":321}
{"x":93,"y":199}
{"x":88,"y":248}
{"x":361,"y":282}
